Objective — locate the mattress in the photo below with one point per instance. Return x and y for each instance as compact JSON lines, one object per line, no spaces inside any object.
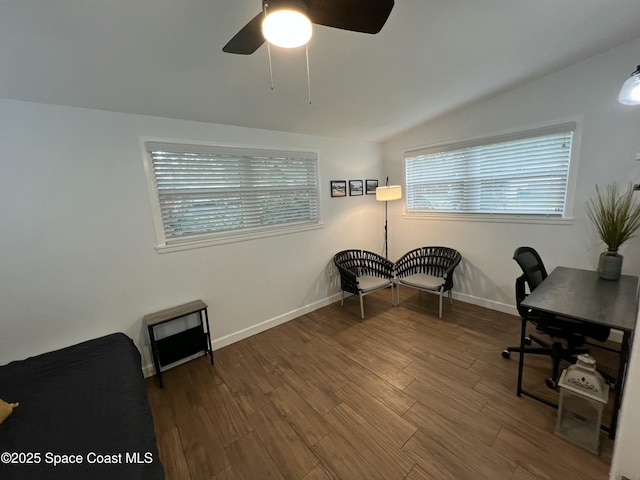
{"x":83,"y":414}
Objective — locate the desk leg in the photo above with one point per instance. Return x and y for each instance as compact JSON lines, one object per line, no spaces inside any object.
{"x":154,"y":352}
{"x":208,"y":335}
{"x":523,"y":334}
{"x":622,"y":372}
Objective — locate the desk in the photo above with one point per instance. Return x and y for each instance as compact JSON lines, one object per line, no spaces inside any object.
{"x":582,"y":295}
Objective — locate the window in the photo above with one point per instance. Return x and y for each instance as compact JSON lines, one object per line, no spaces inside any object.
{"x":525,"y":173}
{"x":226,"y":194}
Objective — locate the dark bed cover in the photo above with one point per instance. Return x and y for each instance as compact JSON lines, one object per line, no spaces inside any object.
{"x":86,"y":402}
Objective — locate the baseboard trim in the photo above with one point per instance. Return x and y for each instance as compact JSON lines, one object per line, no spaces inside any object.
{"x":483,"y":302}
{"x":148,"y":370}
{"x":273,"y":322}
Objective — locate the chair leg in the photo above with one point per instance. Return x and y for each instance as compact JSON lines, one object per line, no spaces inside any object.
{"x":440,"y":306}
{"x":393,"y":298}
{"x":450,"y":297}
{"x":342,"y":299}
{"x":362,"y":306}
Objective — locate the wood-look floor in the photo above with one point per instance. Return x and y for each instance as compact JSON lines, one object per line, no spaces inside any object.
{"x":398,"y":395}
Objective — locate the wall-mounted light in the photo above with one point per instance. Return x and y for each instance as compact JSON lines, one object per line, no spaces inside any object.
{"x":630,"y":92}
{"x":287,"y":28}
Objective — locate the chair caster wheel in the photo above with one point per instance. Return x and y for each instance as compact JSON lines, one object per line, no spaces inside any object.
{"x":506,"y":354}
{"x":551,"y":383}
{"x":527,"y":341}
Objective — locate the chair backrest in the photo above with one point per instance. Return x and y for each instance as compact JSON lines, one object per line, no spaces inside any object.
{"x":533,"y":273}
{"x":364,"y":262}
{"x":531,"y":265}
{"x":439,"y":259}
{"x":432,"y":260}
{"x":349,"y":259}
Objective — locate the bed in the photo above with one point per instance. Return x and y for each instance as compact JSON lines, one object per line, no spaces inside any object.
{"x":83,"y":414}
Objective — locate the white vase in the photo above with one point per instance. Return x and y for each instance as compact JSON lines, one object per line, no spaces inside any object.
{"x":610,"y":265}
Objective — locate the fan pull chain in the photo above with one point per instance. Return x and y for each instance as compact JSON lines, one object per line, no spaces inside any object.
{"x":264,"y":9}
{"x":270,"y":67}
{"x":308,"y":73}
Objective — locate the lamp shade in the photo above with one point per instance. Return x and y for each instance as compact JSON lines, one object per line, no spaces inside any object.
{"x":287,"y":28}
{"x":630,"y":92}
{"x":388,"y":193}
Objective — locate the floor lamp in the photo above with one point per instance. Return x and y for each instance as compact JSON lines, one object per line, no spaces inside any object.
{"x":386,"y":194}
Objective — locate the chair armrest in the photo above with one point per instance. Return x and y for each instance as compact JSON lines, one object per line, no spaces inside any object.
{"x":452,"y":267}
{"x":448,"y":274}
{"x":348,"y":279}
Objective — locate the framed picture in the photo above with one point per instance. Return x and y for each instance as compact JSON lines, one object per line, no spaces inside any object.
{"x":338,"y":188}
{"x":371,"y":186}
{"x":355,"y":187}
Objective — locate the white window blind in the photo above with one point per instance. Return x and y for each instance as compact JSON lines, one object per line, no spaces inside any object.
{"x":525,"y":173}
{"x":205,"y":191}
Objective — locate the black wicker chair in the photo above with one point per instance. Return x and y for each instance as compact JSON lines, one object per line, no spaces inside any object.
{"x":428,"y":269}
{"x":363,"y":272}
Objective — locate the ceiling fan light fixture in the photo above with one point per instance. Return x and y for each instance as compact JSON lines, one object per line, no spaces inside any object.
{"x":287,"y":28}
{"x":630,"y":92}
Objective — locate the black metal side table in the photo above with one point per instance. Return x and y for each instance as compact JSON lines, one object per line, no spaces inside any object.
{"x":183,"y":344}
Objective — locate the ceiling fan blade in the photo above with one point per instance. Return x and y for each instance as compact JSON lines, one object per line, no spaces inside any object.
{"x":248,"y":39}
{"x":366,"y":16}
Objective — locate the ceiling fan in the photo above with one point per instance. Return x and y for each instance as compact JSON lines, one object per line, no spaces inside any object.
{"x":366,"y":16}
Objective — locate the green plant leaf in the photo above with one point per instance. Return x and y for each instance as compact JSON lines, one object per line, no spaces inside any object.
{"x":615,"y":215}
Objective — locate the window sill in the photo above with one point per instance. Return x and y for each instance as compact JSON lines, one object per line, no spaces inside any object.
{"x":178,"y":246}
{"x":523,"y":219}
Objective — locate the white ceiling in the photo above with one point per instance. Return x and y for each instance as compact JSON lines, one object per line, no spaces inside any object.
{"x":164,"y":58}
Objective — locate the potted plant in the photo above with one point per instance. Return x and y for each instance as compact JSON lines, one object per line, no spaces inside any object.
{"x":616,"y":217}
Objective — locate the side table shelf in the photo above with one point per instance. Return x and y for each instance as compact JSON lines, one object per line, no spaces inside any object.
{"x":182,"y":344}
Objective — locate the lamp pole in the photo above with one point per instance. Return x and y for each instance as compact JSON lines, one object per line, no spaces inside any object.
{"x":386,"y":241}
{"x":386,"y":208}
{"x":384,"y":194}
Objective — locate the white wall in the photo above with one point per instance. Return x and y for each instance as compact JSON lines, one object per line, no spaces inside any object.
{"x":76,"y":242}
{"x":610,"y":140}
{"x":609,"y":143}
{"x":625,"y":456}
{"x":77,"y":257}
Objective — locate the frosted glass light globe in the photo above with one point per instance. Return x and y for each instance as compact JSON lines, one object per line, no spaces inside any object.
{"x":287,"y":28}
{"x":630,"y":92}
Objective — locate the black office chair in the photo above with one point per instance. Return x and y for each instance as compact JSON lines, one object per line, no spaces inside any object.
{"x":573,"y":332}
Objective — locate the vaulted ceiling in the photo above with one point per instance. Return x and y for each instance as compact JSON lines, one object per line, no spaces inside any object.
{"x":164,"y":58}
